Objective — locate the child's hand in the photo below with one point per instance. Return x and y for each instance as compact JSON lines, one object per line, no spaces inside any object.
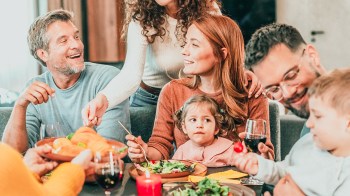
{"x":246,"y":162}
{"x":264,"y":150}
{"x":287,"y":186}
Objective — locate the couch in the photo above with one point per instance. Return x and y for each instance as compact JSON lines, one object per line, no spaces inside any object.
{"x":291,"y":127}
{"x":285,"y":129}
{"x":142,"y":119}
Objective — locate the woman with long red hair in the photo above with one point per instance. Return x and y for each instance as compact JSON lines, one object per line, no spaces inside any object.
{"x":213,"y":58}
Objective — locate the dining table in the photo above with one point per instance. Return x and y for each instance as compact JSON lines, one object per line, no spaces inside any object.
{"x":128,"y":185}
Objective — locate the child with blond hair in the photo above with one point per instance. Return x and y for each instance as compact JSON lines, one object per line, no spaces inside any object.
{"x":319,"y":163}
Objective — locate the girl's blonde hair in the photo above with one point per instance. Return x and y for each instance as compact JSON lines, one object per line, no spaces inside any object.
{"x":224,"y":123}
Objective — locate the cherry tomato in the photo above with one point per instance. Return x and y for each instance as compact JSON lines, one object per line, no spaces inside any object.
{"x":238,"y":147}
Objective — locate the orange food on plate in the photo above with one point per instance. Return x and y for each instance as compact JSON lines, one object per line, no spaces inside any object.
{"x":86,"y":137}
{"x":61,"y":142}
{"x":70,"y":150}
{"x":101,"y":146}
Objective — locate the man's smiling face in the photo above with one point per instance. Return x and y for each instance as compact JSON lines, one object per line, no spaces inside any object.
{"x":277,"y":64}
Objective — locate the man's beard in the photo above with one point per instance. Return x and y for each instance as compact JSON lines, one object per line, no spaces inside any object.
{"x":303,"y":112}
{"x":68,"y":70}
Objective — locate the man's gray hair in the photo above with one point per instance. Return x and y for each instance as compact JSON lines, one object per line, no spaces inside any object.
{"x":37,"y":38}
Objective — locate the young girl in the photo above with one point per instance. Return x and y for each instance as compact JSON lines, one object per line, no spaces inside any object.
{"x":201,"y":120}
{"x":319,"y":162}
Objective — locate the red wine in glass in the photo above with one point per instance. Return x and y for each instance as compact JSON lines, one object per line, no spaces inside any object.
{"x":252,"y":141}
{"x":255,"y":133}
{"x":108,"y":171}
{"x":107,"y":178}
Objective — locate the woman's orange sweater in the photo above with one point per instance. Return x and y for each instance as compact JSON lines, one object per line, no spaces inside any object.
{"x":173,"y":96}
{"x":17,"y":179}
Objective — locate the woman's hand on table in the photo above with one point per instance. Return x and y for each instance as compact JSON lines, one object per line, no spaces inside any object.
{"x":93,"y":111}
{"x":256,"y":88}
{"x":34,"y":160}
{"x":286,"y":186}
{"x":134,"y":150}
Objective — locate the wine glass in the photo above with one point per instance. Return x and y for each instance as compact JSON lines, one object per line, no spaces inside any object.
{"x":255,"y":133}
{"x":108,"y":171}
{"x":51,"y":130}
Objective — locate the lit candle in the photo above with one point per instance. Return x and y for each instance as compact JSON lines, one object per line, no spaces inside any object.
{"x":149,"y":185}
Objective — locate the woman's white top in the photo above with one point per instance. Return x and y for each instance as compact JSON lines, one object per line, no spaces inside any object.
{"x":156,"y":63}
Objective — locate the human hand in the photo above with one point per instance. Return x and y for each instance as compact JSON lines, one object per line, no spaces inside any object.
{"x":287,"y":187}
{"x":83,"y":159}
{"x":134,"y":151}
{"x":93,"y":111}
{"x":256,"y":87}
{"x":36,"y":93}
{"x":264,"y":150}
{"x":36,"y":163}
{"x":246,"y":162}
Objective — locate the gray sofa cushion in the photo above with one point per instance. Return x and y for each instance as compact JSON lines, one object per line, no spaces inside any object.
{"x":291,"y":127}
{"x":275,"y":129}
{"x":5,"y":113}
{"x":142,"y":119}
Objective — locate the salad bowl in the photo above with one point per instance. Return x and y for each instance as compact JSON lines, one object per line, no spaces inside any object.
{"x":167,"y":168}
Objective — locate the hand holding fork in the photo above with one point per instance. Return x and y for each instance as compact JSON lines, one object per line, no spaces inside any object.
{"x":137,"y":147}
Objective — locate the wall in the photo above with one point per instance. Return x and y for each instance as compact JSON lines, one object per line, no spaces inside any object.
{"x":17,"y":65}
{"x":330,"y":17}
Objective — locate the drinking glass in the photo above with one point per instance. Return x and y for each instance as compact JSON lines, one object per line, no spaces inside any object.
{"x":255,"y":133}
{"x":108,"y":171}
{"x":50,"y":130}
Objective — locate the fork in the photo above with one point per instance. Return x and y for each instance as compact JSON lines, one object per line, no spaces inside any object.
{"x":142,"y":149}
{"x":144,"y":153}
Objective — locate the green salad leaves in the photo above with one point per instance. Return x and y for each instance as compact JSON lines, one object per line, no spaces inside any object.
{"x":165,"y":167}
{"x":205,"y":187}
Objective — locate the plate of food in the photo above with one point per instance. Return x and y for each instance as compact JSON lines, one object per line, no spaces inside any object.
{"x":166,"y":168}
{"x":66,"y":148}
{"x":169,"y":170}
{"x":206,"y":187}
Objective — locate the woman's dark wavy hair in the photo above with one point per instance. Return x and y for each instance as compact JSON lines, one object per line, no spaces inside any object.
{"x":224,"y":122}
{"x":151,"y":16}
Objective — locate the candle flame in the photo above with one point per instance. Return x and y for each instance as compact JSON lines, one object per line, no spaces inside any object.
{"x":148,"y":175}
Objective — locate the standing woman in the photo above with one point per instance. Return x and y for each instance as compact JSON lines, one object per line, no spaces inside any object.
{"x":155,"y":31}
{"x":214,"y":56}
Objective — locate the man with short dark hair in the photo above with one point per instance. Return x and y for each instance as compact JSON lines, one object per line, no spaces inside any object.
{"x":286,"y":66}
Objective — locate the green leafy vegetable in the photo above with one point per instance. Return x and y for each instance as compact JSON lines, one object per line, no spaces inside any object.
{"x":166,"y":167}
{"x":81,"y":144}
{"x":121,"y":150}
{"x":205,"y":187}
{"x":69,"y":136}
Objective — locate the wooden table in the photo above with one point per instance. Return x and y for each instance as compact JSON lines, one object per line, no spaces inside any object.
{"x":129,"y":185}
